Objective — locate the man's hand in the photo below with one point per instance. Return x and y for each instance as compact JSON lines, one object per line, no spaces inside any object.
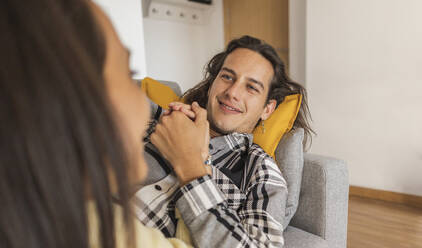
{"x":187,"y":110}
{"x":184,"y":108}
{"x":182,"y":142}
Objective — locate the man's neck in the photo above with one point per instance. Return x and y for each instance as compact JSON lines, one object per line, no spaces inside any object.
{"x":214,"y":134}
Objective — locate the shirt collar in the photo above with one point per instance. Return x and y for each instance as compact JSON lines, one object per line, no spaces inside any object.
{"x":233,"y":141}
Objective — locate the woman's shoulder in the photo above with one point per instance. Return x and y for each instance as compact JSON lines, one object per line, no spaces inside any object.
{"x":152,"y":237}
{"x":144,"y":236}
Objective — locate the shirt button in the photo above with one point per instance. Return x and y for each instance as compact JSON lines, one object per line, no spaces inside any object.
{"x":158,"y":187}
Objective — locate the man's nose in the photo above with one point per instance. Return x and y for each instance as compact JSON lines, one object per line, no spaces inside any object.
{"x":234,"y":91}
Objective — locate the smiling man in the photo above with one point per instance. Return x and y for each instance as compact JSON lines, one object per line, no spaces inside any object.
{"x":238,"y":96}
{"x":227,"y":190}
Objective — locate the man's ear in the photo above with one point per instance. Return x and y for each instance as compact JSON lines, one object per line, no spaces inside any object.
{"x":268,"y":109}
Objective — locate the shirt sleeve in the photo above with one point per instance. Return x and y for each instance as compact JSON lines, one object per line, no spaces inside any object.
{"x":257,"y":223}
{"x":156,"y":111}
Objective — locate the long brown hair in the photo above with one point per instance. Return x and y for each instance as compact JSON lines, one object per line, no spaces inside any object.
{"x":57,"y":129}
{"x":281,"y":85}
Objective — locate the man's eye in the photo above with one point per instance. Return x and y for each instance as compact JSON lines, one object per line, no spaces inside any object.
{"x":227,"y":77}
{"x":252,"y":88}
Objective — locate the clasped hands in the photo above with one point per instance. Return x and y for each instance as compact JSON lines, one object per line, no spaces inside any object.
{"x":182,"y":136}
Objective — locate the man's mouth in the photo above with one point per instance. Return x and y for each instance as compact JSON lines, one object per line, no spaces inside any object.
{"x":228,"y":109}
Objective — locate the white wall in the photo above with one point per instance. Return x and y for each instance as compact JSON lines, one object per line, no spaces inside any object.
{"x":363,"y":72}
{"x":297,"y":40}
{"x":178,"y":51}
{"x":361,"y":63}
{"x":126,"y":16}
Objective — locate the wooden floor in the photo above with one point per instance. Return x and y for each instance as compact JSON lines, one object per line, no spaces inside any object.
{"x":374,"y":223}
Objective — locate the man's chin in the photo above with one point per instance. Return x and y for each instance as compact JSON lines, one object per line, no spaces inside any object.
{"x":220,"y":130}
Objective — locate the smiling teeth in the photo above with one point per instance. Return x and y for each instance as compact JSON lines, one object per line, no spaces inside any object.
{"x":229,"y":107}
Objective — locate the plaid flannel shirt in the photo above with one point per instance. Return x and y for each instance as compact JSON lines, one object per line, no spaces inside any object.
{"x":241,"y":205}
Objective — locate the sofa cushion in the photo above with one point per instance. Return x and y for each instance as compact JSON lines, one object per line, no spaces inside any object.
{"x":289,"y":157}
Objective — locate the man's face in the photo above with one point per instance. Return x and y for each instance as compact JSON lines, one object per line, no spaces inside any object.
{"x":237,"y":97}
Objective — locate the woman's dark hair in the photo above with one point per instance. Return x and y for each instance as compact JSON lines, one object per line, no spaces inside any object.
{"x":59,"y":141}
{"x":281,"y":85}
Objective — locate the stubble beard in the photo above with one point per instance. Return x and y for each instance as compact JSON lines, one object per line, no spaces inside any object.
{"x":214,"y":130}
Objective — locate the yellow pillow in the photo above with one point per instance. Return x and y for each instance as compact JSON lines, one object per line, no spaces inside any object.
{"x":159,"y":93}
{"x":279,"y":123}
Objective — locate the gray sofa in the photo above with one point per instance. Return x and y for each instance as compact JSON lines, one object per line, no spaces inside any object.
{"x":321,"y":216}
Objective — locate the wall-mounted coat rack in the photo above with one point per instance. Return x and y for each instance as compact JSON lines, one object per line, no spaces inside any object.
{"x":186,"y":11}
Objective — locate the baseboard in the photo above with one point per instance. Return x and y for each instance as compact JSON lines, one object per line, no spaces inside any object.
{"x":405,"y":199}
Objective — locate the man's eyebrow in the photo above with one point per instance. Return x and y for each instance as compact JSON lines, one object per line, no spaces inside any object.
{"x":228,"y":70}
{"x":256,"y":82}
{"x":249,"y":78}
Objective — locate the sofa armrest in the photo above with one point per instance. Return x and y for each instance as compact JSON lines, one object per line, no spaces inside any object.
{"x":323,"y":201}
{"x":297,"y":238}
